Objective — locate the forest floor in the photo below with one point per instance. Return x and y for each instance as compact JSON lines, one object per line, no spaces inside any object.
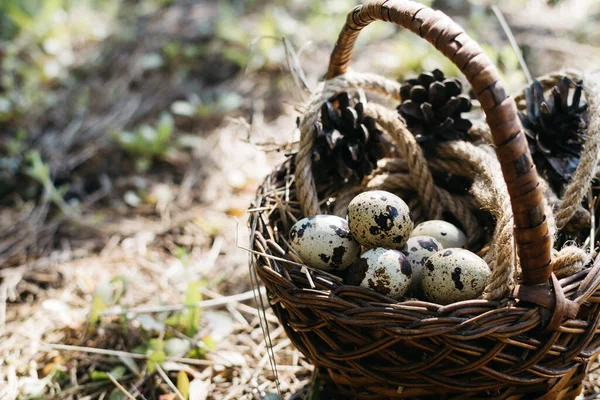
{"x":127,"y":168}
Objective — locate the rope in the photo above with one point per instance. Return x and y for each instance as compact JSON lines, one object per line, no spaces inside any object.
{"x":477,"y":162}
{"x":410,"y":150}
{"x":569,"y":260}
{"x":586,"y":170}
{"x":489,"y":189}
{"x":569,"y":209}
{"x":305,"y":185}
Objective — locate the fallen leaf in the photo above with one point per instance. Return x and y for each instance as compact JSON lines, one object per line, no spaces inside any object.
{"x":199,"y":389}
{"x":236,"y":211}
{"x":176,"y":347}
{"x":32,"y":386}
{"x":149,"y":323}
{"x":229,"y":357}
{"x":130,"y":363}
{"x":55,"y":306}
{"x":176,"y":366}
{"x":183,"y":384}
{"x":220,"y":324}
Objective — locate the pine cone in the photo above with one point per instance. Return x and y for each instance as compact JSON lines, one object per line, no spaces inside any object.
{"x":555,"y":129}
{"x":347,"y":143}
{"x":432,"y":106}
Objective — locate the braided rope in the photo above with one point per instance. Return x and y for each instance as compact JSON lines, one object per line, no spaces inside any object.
{"x":578,"y":188}
{"x":307,"y":192}
{"x":410,"y":150}
{"x":569,"y":260}
{"x":569,"y":207}
{"x":466,"y":159}
{"x":490,"y":191}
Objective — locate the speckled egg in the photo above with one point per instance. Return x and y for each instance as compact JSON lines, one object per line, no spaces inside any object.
{"x":445,"y":233}
{"x":379,"y":219}
{"x":452,"y":275}
{"x":324,"y":242}
{"x":417,"y":250}
{"x":383,"y":270}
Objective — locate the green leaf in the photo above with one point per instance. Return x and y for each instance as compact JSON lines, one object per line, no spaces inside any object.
{"x":51,"y":6}
{"x":37,"y":169}
{"x":98,"y":306}
{"x":147,"y":136}
{"x":164,"y":130}
{"x":16,"y":145}
{"x":193,"y":296}
{"x":156,"y":344}
{"x":156,"y":357}
{"x":156,"y":354}
{"x":209,"y":342}
{"x":127,"y":140}
{"x":19,"y":17}
{"x":130,"y":363}
{"x":98,"y":375}
{"x":183,"y":384}
{"x":141,"y":349}
{"x":175,"y":321}
{"x":143,"y":164}
{"x":182,"y":254}
{"x":117,"y":373}
{"x":120,"y":289}
{"x":116,"y":394}
{"x":196,"y":352}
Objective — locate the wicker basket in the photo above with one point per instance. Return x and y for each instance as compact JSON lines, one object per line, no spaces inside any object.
{"x":534,"y":340}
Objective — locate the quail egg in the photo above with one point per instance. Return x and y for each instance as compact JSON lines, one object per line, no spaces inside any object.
{"x":445,"y":233}
{"x":324,"y":242}
{"x":379,"y":219}
{"x":452,"y":275}
{"x":417,"y":250}
{"x":383,"y":270}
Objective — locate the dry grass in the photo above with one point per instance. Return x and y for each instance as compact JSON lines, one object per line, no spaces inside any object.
{"x":141,"y":248}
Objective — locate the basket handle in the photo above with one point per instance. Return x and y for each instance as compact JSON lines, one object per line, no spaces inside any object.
{"x":531,"y":231}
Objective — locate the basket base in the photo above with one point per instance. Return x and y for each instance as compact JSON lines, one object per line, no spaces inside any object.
{"x":328,"y":390}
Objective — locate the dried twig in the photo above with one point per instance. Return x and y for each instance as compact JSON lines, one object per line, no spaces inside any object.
{"x":120,"y":387}
{"x":513,"y":41}
{"x":204,"y":304}
{"x":165,"y":377}
{"x":117,"y":353}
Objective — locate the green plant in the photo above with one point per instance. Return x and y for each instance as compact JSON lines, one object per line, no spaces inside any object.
{"x":187,"y":320}
{"x":41,"y":41}
{"x":147,"y":142}
{"x":40,"y":171}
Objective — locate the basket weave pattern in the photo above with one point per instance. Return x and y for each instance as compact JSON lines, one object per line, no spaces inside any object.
{"x":534,"y":343}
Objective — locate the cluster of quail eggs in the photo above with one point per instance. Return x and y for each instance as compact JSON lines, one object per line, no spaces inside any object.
{"x":378,"y":247}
